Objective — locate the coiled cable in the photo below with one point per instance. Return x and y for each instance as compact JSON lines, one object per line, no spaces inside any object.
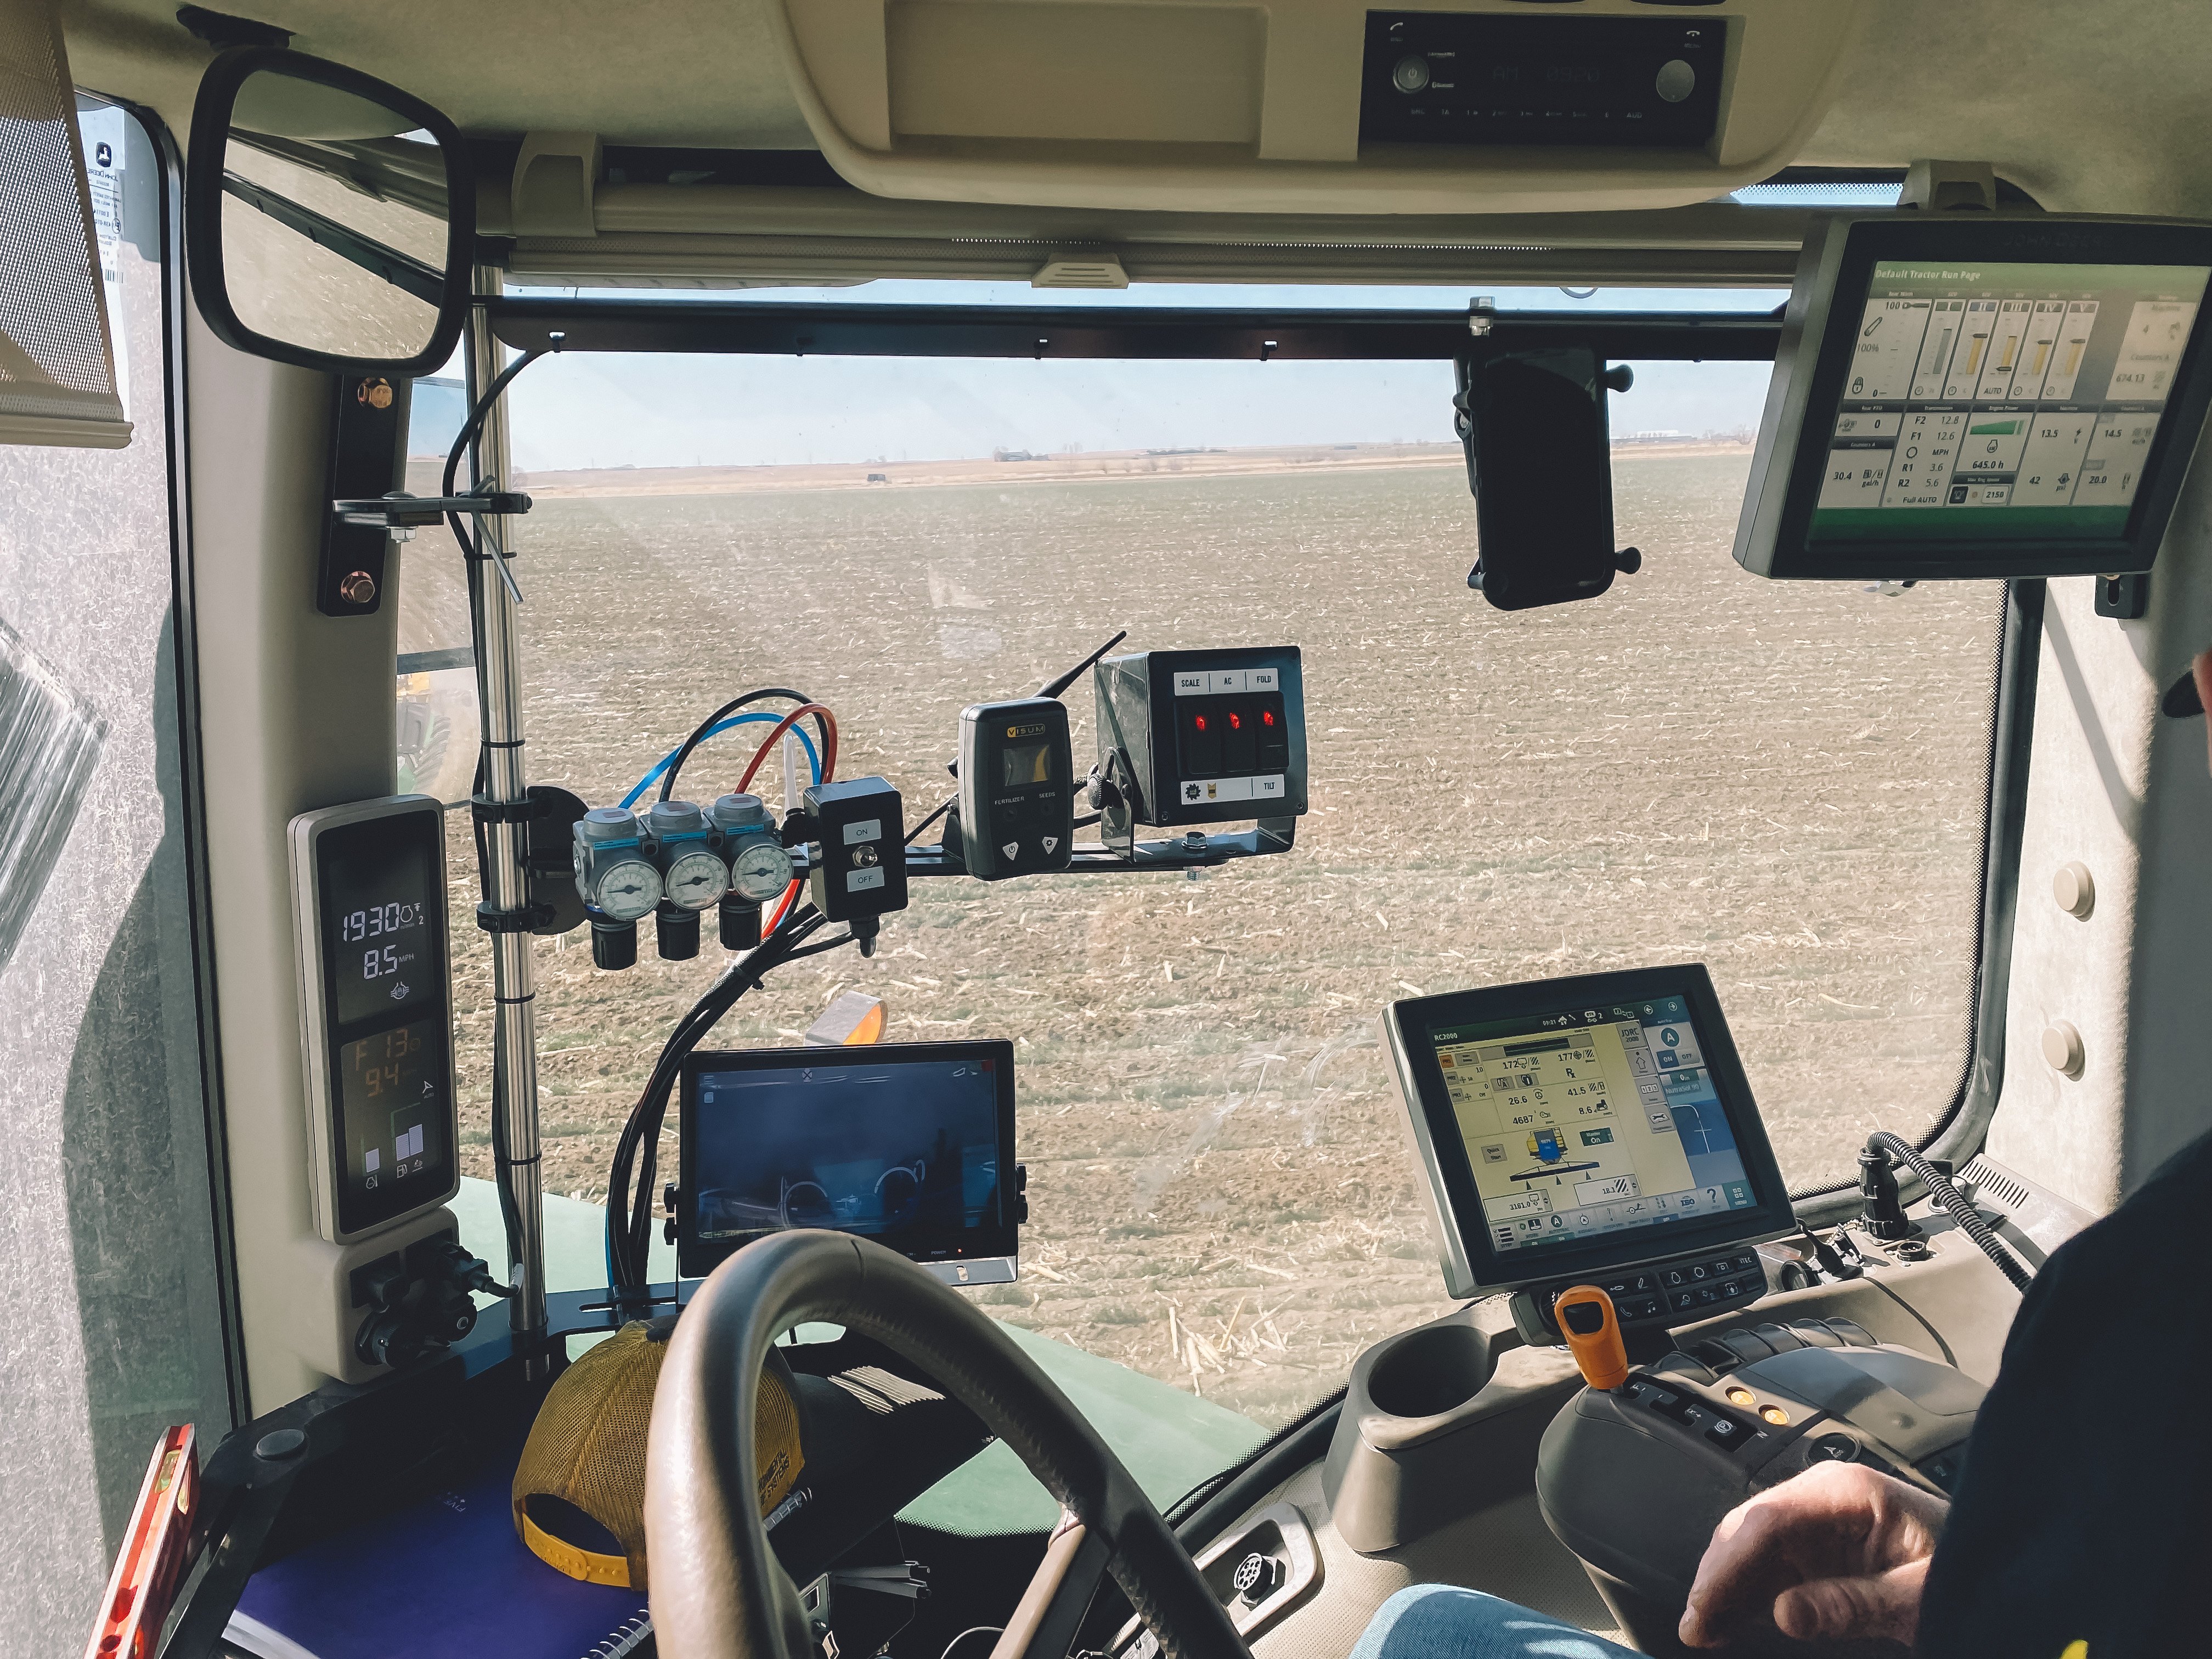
{"x":1953,"y":1203}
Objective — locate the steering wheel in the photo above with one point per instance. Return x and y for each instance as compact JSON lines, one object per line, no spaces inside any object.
{"x":718,"y":1591}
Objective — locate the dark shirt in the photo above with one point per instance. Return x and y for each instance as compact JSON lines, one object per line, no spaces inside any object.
{"x":2084,"y":1512}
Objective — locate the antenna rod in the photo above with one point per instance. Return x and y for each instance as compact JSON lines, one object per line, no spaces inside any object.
{"x":1053,"y":687}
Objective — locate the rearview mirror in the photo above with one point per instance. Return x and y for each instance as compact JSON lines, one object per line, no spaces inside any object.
{"x":1539,"y":462}
{"x":329,"y":218}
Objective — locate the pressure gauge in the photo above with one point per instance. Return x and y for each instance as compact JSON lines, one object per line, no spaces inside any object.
{"x":612,"y":872}
{"x":760,"y":871}
{"x":629,"y":890}
{"x":677,"y":835}
{"x":695,"y":880}
{"x":760,"y":868}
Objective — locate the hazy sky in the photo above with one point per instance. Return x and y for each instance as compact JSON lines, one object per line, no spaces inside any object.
{"x":595,"y":409}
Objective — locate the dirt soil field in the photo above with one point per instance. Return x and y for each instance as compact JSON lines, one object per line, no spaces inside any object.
{"x":1783,"y":781}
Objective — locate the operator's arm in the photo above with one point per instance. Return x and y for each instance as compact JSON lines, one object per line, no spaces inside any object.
{"x":1838,"y":1552}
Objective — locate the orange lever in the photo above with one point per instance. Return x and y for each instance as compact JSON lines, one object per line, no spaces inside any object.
{"x":1587,"y":1321}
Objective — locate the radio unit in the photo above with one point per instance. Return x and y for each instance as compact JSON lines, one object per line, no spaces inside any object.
{"x":1449,"y":78}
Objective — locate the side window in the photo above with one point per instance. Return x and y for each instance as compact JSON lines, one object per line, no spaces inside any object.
{"x":437,"y":734}
{"x":100,"y":1020}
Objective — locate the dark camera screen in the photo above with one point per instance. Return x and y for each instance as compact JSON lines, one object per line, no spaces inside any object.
{"x":1023,"y":764}
{"x":910,"y":1151}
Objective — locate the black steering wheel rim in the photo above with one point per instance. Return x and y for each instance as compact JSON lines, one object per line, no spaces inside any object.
{"x":717,"y":1591}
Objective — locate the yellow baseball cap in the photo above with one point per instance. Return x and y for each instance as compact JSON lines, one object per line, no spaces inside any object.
{"x":581,"y":1484}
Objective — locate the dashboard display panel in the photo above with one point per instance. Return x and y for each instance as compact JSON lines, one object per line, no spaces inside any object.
{"x":2007,"y":397}
{"x":1582,"y":1124}
{"x":376,"y":1011}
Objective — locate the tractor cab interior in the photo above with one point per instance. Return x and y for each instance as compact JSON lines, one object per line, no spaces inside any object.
{"x":958,"y":828}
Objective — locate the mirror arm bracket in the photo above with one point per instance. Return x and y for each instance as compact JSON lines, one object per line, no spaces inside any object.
{"x":400,"y":510}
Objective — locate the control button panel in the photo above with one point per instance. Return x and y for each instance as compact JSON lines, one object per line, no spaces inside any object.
{"x":1455,"y":78}
{"x":1676,"y":1293}
{"x":1695,"y":1413}
{"x":1199,"y":738}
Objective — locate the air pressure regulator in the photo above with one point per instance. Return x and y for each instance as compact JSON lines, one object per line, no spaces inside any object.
{"x":675,"y":863}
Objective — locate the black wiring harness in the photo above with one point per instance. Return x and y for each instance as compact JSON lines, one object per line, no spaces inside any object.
{"x":502,"y":1169}
{"x":631,"y":1179}
{"x":465,"y":442}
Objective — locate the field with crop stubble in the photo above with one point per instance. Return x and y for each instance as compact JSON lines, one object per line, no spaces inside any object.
{"x":1782,"y":780}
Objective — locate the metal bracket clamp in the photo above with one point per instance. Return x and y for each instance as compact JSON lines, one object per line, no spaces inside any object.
{"x":528,"y":920}
{"x":549,"y":817}
{"x":400,"y":510}
{"x":508,"y":812}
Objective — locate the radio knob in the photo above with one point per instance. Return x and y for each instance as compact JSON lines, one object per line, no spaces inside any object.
{"x":1676,"y":81}
{"x":1411,"y":73}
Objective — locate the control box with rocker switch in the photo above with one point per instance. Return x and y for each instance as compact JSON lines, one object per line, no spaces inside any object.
{"x":1200,"y":737}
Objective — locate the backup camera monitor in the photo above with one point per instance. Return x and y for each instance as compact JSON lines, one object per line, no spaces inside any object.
{"x":1980,"y":396}
{"x":911,"y":1145}
{"x":1570,"y":1127}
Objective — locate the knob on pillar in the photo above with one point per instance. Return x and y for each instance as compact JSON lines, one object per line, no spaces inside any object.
{"x":1593,"y":1333}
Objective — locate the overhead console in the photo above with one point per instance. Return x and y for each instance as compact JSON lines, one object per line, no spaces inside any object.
{"x":1313,"y":106}
{"x":1964,"y":395}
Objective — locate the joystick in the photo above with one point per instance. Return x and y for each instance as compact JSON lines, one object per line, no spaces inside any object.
{"x":1587,"y":1321}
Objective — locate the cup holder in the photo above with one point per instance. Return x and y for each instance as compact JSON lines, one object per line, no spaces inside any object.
{"x":1412,"y":1449}
{"x":1429,"y":1371}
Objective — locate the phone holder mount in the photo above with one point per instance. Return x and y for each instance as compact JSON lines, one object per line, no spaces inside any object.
{"x":1540,"y":465}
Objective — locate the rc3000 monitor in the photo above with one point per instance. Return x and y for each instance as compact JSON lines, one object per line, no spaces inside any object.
{"x":1961,"y":395}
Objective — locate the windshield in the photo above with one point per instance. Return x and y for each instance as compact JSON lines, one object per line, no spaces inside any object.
{"x":1699,"y":765}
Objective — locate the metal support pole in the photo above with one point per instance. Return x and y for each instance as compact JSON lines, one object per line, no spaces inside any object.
{"x":499,"y":694}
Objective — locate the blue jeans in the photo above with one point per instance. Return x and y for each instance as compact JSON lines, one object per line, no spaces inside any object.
{"x":1442,"y":1621}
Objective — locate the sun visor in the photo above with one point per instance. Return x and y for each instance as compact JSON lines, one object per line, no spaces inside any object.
{"x":57,"y":358}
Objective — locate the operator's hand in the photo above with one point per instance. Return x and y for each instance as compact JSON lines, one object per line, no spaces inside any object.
{"x":1839,"y":1551}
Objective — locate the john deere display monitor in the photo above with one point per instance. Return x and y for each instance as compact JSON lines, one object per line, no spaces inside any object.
{"x":1572,"y":1127}
{"x":1974,"y":396}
